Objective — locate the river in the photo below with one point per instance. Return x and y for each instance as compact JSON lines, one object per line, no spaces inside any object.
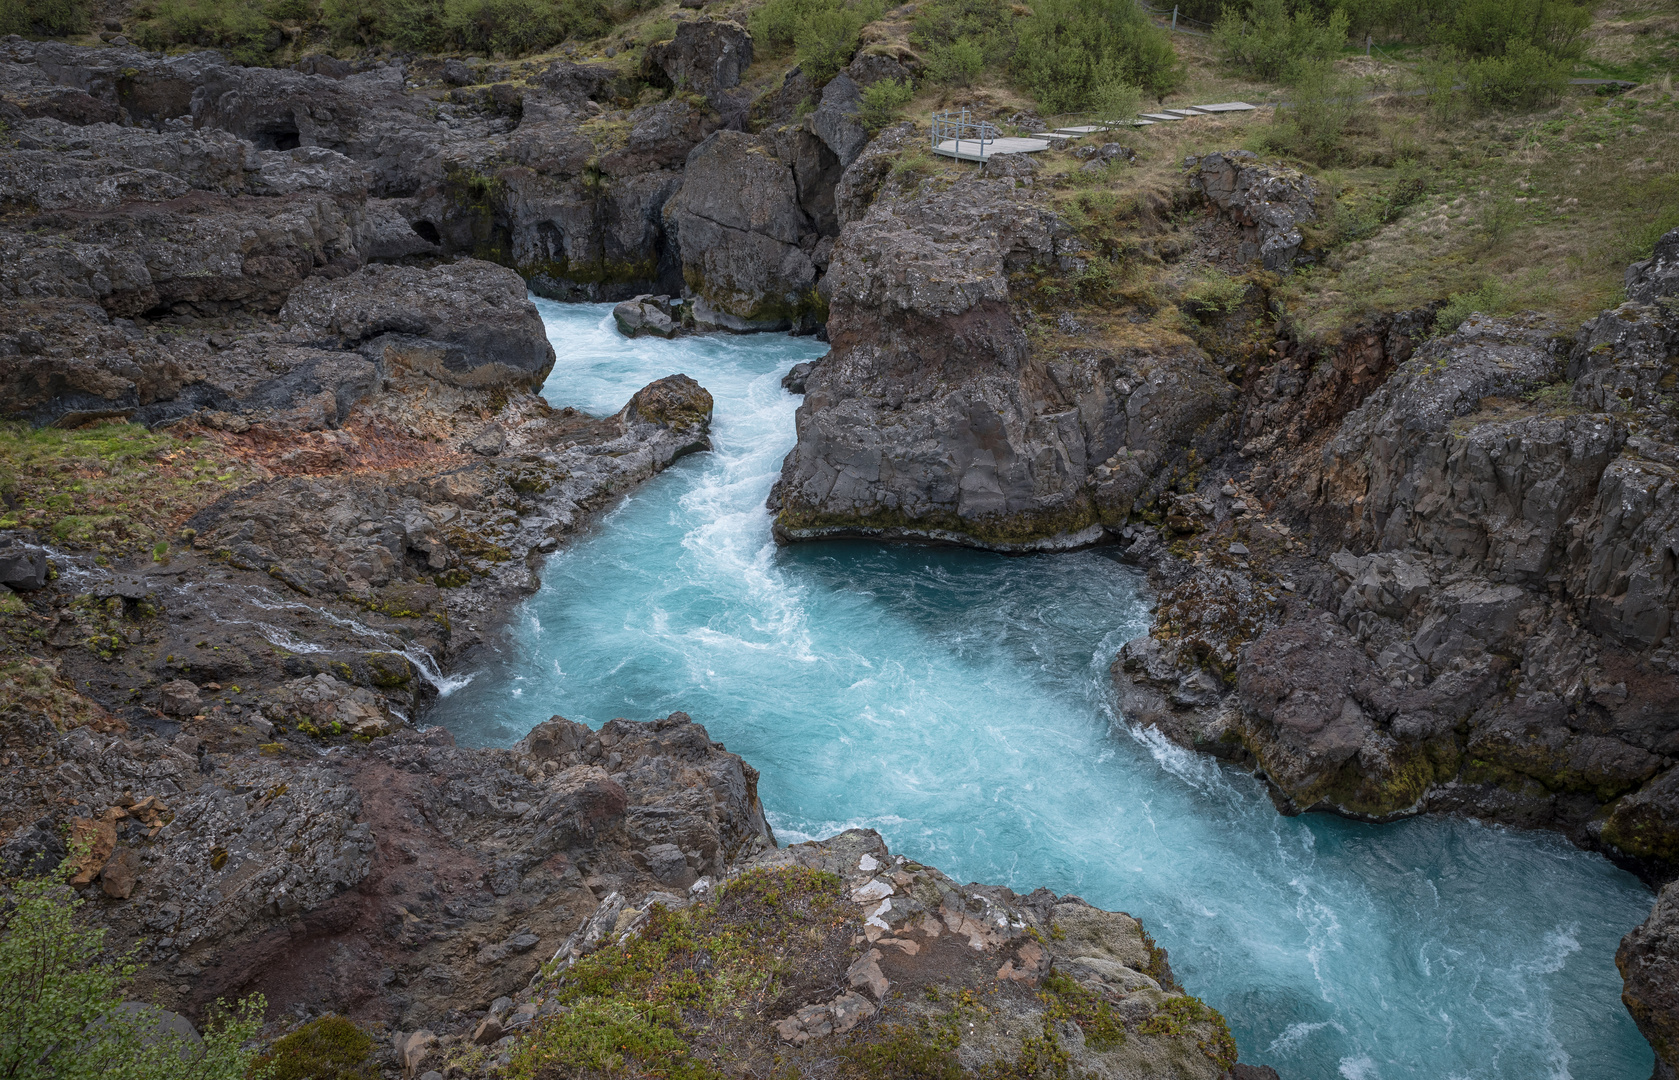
{"x":959,"y":702}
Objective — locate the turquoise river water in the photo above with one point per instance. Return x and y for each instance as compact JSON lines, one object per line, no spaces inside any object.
{"x":959,"y":703}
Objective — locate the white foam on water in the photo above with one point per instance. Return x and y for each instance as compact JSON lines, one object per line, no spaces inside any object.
{"x":959,"y":702}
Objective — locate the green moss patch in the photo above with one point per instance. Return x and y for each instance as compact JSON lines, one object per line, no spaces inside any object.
{"x":112,"y":486}
{"x":692,"y":986}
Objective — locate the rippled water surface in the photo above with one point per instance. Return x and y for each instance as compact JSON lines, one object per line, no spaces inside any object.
{"x":959,"y":703}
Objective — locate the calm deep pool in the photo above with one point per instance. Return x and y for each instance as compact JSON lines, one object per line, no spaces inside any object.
{"x":959,"y":703}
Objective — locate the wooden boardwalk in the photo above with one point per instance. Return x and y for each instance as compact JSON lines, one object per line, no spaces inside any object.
{"x":974,"y":149}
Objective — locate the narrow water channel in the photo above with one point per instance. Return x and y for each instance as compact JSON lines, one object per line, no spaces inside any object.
{"x":958,"y":702}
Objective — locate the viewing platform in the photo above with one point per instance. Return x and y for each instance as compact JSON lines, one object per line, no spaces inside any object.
{"x":958,"y":135}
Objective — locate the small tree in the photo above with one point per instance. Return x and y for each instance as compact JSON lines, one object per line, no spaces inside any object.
{"x":881,"y":103}
{"x":1269,"y":41}
{"x":62,"y":1016}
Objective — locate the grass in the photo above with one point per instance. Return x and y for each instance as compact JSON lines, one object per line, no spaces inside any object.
{"x":114,"y":487}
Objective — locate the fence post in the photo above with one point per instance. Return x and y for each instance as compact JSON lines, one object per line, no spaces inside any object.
{"x":1174,"y":18}
{"x":1366,"y":44}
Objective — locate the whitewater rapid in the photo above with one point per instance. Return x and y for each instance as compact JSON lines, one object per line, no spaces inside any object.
{"x":959,"y":702}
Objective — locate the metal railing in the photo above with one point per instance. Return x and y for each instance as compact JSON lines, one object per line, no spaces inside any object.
{"x":961,"y":127}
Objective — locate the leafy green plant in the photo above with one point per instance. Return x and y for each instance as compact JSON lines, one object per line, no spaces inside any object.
{"x":50,"y":18}
{"x":504,"y":26}
{"x":1497,"y":216}
{"x":1214,"y":294}
{"x":1323,"y":105}
{"x":882,"y":102}
{"x":1268,"y":40}
{"x":1072,"y":51}
{"x":956,"y":63}
{"x":826,"y":42}
{"x":1487,"y":299}
{"x":242,"y":27}
{"x":330,"y":1048}
{"x":1523,"y":77}
{"x":824,"y":34}
{"x":62,"y":1016}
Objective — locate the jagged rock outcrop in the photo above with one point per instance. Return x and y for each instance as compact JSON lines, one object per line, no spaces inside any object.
{"x":468,"y":323}
{"x":351,"y":881}
{"x":933,"y":419}
{"x":1269,"y":201}
{"x":1648,"y":960}
{"x":706,"y":57}
{"x":1493,"y":632}
{"x":746,"y":243}
{"x":880,"y":958}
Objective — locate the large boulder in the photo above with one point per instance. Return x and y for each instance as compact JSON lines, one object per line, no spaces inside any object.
{"x":933,"y":419}
{"x":706,"y":56}
{"x":835,"y":119}
{"x":468,"y":323}
{"x":1657,"y":276}
{"x":745,"y":240}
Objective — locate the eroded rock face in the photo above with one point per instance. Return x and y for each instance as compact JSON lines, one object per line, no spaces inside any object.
{"x":1484,"y":624}
{"x":706,"y":57}
{"x":1269,"y":201}
{"x":743,"y":236}
{"x":1648,"y":960}
{"x":468,"y":323}
{"x":876,"y":946}
{"x":933,"y":419}
{"x":316,"y":880}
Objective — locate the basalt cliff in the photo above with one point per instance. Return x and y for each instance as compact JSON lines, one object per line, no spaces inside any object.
{"x":1395,"y":571}
{"x":282,"y":463}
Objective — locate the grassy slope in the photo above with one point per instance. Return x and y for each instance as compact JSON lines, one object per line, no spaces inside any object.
{"x":1534,"y":211}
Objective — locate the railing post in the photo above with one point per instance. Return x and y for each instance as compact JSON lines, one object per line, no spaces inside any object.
{"x":1174,"y":18}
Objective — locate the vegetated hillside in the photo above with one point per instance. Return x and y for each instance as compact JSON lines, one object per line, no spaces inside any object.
{"x":1459,"y":165}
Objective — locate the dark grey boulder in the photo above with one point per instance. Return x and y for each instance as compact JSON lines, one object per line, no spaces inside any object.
{"x":22,"y":568}
{"x":1657,"y":276}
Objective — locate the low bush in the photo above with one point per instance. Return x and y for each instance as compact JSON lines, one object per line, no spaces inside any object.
{"x":330,"y":1048}
{"x":823,"y":34}
{"x":1072,"y":52}
{"x":956,"y":63}
{"x":1524,"y":77}
{"x":48,"y":18}
{"x":63,"y":1017}
{"x":1322,"y":106}
{"x":242,"y":27}
{"x":1487,"y":298}
{"x":502,"y":26}
{"x":882,"y":102}
{"x":1269,"y":41}
{"x":960,"y":38}
{"x":829,"y":39}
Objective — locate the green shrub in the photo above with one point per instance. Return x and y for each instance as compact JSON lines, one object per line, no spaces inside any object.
{"x":62,"y":1016}
{"x":1483,"y":28}
{"x":330,"y":1048}
{"x":956,"y":63}
{"x":960,"y":38}
{"x":1524,"y":77}
{"x":1214,"y":294}
{"x":47,"y":18}
{"x":1323,"y":105}
{"x":1487,"y":299}
{"x":1072,"y":51}
{"x":1272,"y":43}
{"x":502,"y":26}
{"x":242,"y":27}
{"x":882,"y":101}
{"x":826,"y":41}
